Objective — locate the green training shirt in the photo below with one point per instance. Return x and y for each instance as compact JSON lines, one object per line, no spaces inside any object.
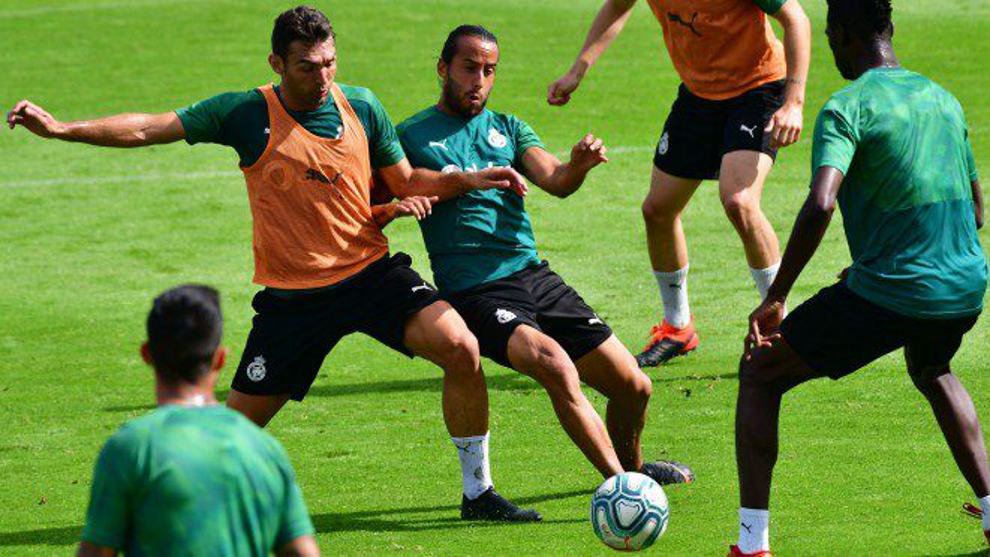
{"x":907,"y":205}
{"x":483,"y":235}
{"x":240,"y":120}
{"x":196,"y":481}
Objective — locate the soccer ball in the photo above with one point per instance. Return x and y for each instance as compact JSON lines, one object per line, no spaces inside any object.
{"x":629,"y":511}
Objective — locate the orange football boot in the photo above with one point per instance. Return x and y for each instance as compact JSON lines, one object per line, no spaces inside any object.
{"x":666,"y":342}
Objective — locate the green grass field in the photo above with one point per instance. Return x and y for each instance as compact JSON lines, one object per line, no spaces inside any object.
{"x":88,"y":236}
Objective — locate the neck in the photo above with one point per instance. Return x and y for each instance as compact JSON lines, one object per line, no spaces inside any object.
{"x":185,"y":394}
{"x":880,"y":54}
{"x":442,"y":106}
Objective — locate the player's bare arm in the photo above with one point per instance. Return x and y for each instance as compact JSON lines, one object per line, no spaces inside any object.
{"x":608,"y":24}
{"x":786,"y":124}
{"x":404,"y":181}
{"x":809,"y":228}
{"x":559,"y":178}
{"x":977,"y":202}
{"x":303,"y":546}
{"x":87,"y":549}
{"x":121,"y":130}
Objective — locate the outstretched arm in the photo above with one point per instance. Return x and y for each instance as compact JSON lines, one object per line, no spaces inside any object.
{"x":563,"y":179}
{"x":809,"y":228}
{"x":404,"y":181}
{"x":608,"y":24}
{"x":122,"y":130}
{"x":786,"y":124}
{"x":977,"y":202}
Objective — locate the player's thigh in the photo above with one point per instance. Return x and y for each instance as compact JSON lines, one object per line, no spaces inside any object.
{"x":533,"y":352}
{"x":260,"y":409}
{"x":777,"y":366}
{"x":611,"y":370}
{"x":668,"y":195}
{"x":439,"y":334}
{"x":742,"y":176}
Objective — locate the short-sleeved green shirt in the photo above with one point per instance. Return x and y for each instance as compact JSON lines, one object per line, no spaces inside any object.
{"x":197,"y":481}
{"x":483,"y":235}
{"x":906,"y":201}
{"x":240,"y":120}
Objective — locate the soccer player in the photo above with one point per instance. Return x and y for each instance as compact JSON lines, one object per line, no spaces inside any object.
{"x":307,"y":148}
{"x":193,"y":477}
{"x":892,"y":148}
{"x":741,"y":99}
{"x":485,"y":262}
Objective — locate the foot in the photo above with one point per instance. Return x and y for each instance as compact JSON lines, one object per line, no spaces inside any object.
{"x":492,"y":506}
{"x":667,"y":472}
{"x":734,"y":552}
{"x":666,"y":342}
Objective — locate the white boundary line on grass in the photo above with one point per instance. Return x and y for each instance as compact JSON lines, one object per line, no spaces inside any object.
{"x":197,"y":176}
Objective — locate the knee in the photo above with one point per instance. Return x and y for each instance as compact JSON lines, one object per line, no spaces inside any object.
{"x":751,"y":372}
{"x":638,"y":389}
{"x":553,"y":369}
{"x":740,"y":207}
{"x":655,"y":212}
{"x":460,"y":355}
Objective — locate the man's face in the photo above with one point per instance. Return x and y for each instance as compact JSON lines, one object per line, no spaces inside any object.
{"x":307,"y":71}
{"x":841,"y":51}
{"x":470,"y":76}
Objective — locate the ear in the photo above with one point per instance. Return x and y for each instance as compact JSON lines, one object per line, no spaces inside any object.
{"x":277,"y":64}
{"x":442,"y":70}
{"x":146,"y":354}
{"x":219,"y":359}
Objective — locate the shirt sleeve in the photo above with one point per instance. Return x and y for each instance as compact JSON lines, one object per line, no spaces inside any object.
{"x":203,"y":121}
{"x":108,"y":518}
{"x":835,"y":139}
{"x":295,"y":521}
{"x":383,"y":141}
{"x":525,"y":138}
{"x":770,"y":6}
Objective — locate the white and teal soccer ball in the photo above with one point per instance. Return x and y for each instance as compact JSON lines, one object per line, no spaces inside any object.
{"x":629,"y":511}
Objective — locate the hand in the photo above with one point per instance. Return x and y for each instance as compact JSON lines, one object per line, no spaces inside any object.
{"x":417,"y":206}
{"x":843,"y":274}
{"x":588,"y":153}
{"x":559,"y":92}
{"x":785,"y":125}
{"x":498,"y":178}
{"x":34,"y":118}
{"x":764,"y":325}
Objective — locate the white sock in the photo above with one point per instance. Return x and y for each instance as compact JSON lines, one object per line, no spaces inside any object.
{"x":985,"y":505}
{"x":673,"y":292}
{"x":764,"y":278}
{"x":475,"y":471}
{"x":754,"y":530}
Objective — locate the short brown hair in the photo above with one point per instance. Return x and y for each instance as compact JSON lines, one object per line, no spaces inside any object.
{"x":302,"y":23}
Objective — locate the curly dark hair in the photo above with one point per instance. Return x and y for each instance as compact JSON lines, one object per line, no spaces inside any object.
{"x":868,"y":18}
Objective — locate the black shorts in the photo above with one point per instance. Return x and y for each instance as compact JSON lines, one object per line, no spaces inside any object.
{"x":836,"y":332}
{"x":534,"y":296}
{"x":699,"y":132}
{"x":291,"y":336}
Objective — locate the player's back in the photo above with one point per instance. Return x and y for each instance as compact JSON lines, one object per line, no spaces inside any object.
{"x":195,"y":480}
{"x":906,"y":199}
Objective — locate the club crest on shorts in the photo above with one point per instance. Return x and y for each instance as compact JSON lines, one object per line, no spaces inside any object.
{"x":496,"y":139}
{"x":503,"y":316}
{"x":664,"y":144}
{"x":256,"y":369}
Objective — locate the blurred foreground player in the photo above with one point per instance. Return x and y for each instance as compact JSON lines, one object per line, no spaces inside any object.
{"x":193,"y":477}
{"x":892,"y":148}
{"x":307,"y":148}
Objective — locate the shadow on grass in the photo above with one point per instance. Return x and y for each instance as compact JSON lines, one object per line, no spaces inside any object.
{"x":378,"y":521}
{"x":981,"y":553}
{"x":501,"y":382}
{"x":68,"y":535}
{"x":713,"y":377}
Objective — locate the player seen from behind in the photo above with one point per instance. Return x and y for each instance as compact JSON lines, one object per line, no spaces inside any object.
{"x":892,"y":149}
{"x":485,"y":263}
{"x":307,"y":148}
{"x":741,"y":99}
{"x":193,"y":477}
